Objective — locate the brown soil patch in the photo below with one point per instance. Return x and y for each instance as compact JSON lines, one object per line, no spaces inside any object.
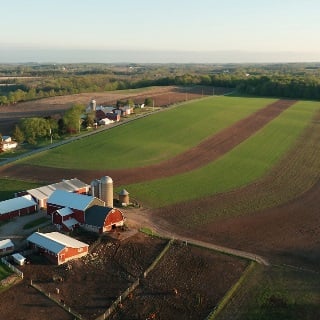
{"x":91,"y":284}
{"x":285,"y":233}
{"x":204,"y":153}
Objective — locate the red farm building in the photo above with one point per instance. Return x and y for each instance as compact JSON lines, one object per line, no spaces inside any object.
{"x":57,"y":247}
{"x":69,"y":210}
{"x":17,"y":207}
{"x":101,"y":219}
{"x":6,"y":246}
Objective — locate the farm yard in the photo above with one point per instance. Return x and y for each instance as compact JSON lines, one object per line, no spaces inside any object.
{"x":245,"y":176}
{"x":90,"y":285}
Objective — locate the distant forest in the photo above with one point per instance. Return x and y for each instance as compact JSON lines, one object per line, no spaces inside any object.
{"x":35,"y":81}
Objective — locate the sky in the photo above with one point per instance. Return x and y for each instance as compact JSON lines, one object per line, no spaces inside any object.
{"x":146,"y":31}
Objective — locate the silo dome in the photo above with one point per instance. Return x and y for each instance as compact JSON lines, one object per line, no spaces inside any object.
{"x":106,"y":179}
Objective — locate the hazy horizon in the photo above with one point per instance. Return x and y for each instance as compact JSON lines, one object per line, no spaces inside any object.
{"x":144,"y":31}
{"x":59,"y":55}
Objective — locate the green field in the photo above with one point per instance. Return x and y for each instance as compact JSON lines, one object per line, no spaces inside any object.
{"x":154,"y":138}
{"x":247,"y":162}
{"x":276,"y":293}
{"x":8,"y":187}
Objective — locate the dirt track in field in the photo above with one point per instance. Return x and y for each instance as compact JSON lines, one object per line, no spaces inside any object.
{"x":202,"y":154}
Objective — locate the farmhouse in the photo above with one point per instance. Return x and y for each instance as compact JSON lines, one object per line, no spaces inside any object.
{"x":7,"y":143}
{"x":6,"y":246}
{"x":41,"y":194}
{"x":17,"y":207}
{"x":57,"y":247}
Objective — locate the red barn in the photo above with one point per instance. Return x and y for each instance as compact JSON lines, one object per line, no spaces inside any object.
{"x":57,"y":247}
{"x":102,"y":219}
{"x":17,"y":207}
{"x":69,"y":210}
{"x":77,"y":203}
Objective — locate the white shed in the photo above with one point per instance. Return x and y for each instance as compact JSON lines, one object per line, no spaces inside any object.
{"x":19,"y":259}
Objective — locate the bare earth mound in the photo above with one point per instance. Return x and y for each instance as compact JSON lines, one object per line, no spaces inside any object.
{"x":204,"y":153}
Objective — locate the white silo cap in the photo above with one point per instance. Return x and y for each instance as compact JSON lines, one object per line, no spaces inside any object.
{"x":106,"y":179}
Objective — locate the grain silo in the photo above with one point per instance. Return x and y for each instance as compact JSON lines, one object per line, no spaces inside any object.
{"x":93,"y":105}
{"x":95,"y":188}
{"x":124,"y":197}
{"x":106,"y":191}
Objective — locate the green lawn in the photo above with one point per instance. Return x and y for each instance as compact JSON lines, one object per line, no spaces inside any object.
{"x":36,"y":223}
{"x":154,"y":138}
{"x":8,"y":187}
{"x":244,"y":164}
{"x":4,"y":271}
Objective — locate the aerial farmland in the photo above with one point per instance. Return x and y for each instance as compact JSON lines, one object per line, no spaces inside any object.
{"x":237,"y":172}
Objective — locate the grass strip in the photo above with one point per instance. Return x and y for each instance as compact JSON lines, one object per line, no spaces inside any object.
{"x":244,"y":164}
{"x":152,"y":139}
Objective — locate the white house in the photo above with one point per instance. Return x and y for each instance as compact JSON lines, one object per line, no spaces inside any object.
{"x":7,"y":143}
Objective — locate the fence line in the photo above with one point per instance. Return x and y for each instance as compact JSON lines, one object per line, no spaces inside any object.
{"x":12,"y":267}
{"x":224,"y":301}
{"x":125,"y":294}
{"x":62,"y":305}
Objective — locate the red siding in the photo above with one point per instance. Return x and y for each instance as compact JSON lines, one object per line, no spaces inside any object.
{"x":113,"y":218}
{"x":78,"y":215}
{"x":64,"y":255}
{"x":52,"y":208}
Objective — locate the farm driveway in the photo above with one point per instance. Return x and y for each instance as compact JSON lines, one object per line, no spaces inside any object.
{"x":14,"y":228}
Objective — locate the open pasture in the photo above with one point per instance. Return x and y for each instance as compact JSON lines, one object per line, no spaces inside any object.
{"x":244,"y":164}
{"x":279,"y":293}
{"x":153,"y":139}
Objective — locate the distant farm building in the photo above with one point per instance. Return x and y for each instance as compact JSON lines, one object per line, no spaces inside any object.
{"x":17,"y":207}
{"x":105,"y":121}
{"x":41,"y":194}
{"x":6,"y":144}
{"x":57,"y":247}
{"x":6,"y":246}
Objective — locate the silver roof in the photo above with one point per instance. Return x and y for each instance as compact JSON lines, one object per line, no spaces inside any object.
{"x":6,"y":243}
{"x":69,"y":199}
{"x":16,"y":204}
{"x":55,"y":241}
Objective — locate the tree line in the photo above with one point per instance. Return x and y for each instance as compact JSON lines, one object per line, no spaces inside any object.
{"x":292,"y":81}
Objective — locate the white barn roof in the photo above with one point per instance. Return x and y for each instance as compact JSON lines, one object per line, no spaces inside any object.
{"x":45,"y":192}
{"x":71,"y":200}
{"x":55,"y":241}
{"x":64,"y":211}
{"x":15,"y":204}
{"x":7,"y":243}
{"x":70,"y":222}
